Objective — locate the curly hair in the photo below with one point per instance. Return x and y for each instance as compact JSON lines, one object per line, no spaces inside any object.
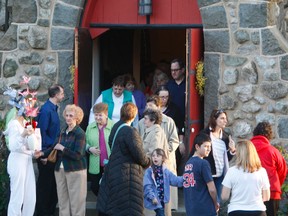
{"x":264,"y":129}
{"x":153,"y":115}
{"x":79,"y":114}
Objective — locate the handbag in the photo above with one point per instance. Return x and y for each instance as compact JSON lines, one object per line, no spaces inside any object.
{"x":106,"y":161}
{"x":52,"y":157}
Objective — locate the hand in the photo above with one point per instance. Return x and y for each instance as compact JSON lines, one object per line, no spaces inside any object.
{"x":95,"y":151}
{"x":37,"y":154}
{"x":217,"y":207}
{"x":27,"y":132}
{"x":59,"y":146}
{"x":182,"y":148}
{"x":231,"y":144}
{"x":155,"y":201}
{"x":44,"y":161}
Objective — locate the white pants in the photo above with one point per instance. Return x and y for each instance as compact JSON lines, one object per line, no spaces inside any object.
{"x":22,"y":185}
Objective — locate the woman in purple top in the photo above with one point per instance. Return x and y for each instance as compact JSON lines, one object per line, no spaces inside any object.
{"x":139,"y":97}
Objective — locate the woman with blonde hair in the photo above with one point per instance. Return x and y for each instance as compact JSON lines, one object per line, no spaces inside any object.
{"x":71,"y":164}
{"x":247,"y":182}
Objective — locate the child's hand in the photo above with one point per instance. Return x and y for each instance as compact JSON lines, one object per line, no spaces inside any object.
{"x":155,"y":201}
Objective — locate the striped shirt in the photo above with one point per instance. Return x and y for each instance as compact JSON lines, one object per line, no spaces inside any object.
{"x":219,"y":151}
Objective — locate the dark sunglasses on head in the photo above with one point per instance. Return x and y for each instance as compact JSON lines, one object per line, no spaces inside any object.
{"x":218,"y":112}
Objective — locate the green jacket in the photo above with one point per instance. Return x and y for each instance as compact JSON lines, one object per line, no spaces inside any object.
{"x":92,"y":140}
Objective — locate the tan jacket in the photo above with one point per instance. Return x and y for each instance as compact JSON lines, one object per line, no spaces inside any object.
{"x":154,"y":137}
{"x":170,"y":130}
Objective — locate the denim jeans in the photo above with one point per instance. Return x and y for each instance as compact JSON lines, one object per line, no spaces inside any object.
{"x":218,"y":185}
{"x":160,"y":212}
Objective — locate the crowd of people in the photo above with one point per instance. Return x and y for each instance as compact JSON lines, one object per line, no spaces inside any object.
{"x":132,"y":152}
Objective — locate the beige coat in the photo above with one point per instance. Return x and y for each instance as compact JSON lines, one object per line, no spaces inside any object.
{"x":154,"y":137}
{"x":170,"y":130}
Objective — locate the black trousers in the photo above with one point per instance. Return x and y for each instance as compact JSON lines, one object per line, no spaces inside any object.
{"x":95,"y":178}
{"x":272,"y":207}
{"x":247,"y":213}
{"x":46,"y":191}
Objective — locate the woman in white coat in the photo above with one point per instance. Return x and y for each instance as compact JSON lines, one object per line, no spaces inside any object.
{"x":20,"y":169}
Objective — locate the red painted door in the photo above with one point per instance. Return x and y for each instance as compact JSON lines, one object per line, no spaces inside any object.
{"x":194,"y":105}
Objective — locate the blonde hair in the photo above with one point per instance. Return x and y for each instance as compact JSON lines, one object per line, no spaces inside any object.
{"x":77,"y":110}
{"x":247,"y":157}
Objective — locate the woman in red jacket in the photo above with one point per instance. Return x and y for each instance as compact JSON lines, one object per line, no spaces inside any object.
{"x":273,"y":162}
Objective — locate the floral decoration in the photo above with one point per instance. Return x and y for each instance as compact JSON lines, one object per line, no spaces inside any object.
{"x":25,"y":101}
{"x":200,"y":78}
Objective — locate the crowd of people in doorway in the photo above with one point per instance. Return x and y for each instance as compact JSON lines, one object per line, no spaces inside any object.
{"x":132,"y":151}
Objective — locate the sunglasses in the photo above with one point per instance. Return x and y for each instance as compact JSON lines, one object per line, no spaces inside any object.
{"x":218,"y":112}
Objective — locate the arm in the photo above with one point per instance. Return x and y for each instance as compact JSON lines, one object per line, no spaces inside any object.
{"x":136,"y":120}
{"x":173,"y":140}
{"x":266,"y":186}
{"x":175,"y":180}
{"x":43,"y":122}
{"x":225,"y":193}
{"x":265,"y":195}
{"x":213,"y":193}
{"x":79,"y":147}
{"x":153,"y":141}
{"x":142,"y":104}
{"x":17,"y":138}
{"x":148,"y":186}
{"x":281,"y":167}
{"x":134,"y":144}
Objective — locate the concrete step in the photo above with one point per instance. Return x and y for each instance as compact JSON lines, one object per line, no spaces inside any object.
{"x":92,"y":199}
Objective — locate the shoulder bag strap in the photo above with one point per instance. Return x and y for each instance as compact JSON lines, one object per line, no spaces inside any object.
{"x":122,"y":125}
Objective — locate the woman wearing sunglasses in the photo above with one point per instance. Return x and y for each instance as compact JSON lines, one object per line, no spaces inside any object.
{"x":223,"y":147}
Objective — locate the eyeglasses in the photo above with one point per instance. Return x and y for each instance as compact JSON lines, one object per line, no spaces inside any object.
{"x":175,"y":70}
{"x":218,"y":112}
{"x":164,"y":97}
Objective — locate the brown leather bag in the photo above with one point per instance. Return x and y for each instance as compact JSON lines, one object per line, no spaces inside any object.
{"x":52,"y":156}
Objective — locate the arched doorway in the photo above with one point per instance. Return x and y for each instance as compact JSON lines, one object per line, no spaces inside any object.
{"x":121,"y":41}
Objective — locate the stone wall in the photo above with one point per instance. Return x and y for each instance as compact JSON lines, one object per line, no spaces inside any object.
{"x":39,"y":43}
{"x":245,"y":55}
{"x":246,"y":63}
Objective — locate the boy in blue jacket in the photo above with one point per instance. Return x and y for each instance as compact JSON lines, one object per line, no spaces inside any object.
{"x":157,"y":182}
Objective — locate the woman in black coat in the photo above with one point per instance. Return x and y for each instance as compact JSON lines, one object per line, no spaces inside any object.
{"x":121,"y":188}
